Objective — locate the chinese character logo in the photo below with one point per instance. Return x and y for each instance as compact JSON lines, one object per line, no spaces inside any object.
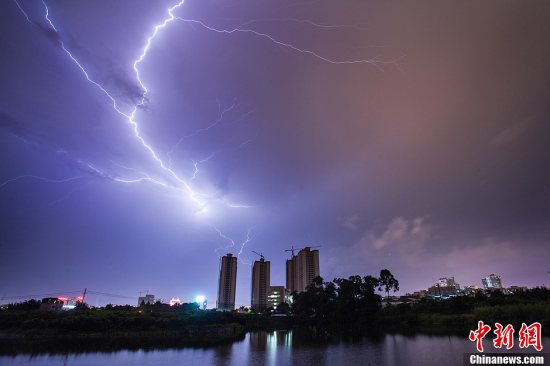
{"x":530,"y":336}
{"x":504,"y":336}
{"x":478,"y":334}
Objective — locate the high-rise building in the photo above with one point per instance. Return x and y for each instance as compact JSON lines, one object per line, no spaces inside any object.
{"x":260,"y":284}
{"x":227,"y":283}
{"x":493,"y":281}
{"x":276,"y":296}
{"x":302,"y":269}
{"x":447,"y":282}
{"x":444,"y":288}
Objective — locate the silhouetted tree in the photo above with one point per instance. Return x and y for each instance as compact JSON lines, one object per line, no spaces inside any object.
{"x":387,"y":282}
{"x":283,"y":308}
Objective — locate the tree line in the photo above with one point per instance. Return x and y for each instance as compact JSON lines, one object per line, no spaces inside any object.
{"x":345,"y":305}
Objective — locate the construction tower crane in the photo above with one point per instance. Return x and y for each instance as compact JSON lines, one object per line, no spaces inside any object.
{"x":260,"y":254}
{"x":292,"y":249}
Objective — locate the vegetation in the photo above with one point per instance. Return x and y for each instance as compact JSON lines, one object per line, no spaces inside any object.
{"x":342,"y":306}
{"x":352,"y":306}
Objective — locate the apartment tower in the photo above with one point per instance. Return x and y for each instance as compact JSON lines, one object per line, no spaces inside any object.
{"x":302,"y":269}
{"x":260,"y":284}
{"x":227,"y":283}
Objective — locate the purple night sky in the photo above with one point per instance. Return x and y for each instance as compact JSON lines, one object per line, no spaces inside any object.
{"x":413,"y":136}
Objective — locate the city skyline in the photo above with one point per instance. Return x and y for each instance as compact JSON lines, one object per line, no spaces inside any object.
{"x":143,"y":141}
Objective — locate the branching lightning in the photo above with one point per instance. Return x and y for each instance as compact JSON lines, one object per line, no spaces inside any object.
{"x":240,"y":29}
{"x":221,"y":114}
{"x":47,"y":180}
{"x":175,"y":181}
{"x":232,"y":244}
{"x":305,"y":21}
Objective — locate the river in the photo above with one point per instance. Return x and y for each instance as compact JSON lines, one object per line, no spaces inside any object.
{"x":279,"y":348}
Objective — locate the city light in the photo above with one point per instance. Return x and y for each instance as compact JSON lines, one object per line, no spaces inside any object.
{"x":200,"y":299}
{"x":175,"y":301}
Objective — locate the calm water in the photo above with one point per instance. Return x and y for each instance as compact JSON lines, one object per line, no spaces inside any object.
{"x":279,"y":348}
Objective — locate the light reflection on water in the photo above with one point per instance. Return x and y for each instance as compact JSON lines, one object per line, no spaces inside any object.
{"x":278,"y":348}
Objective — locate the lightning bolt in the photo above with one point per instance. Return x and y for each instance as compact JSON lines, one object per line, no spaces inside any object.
{"x":43,"y":179}
{"x":199,"y":199}
{"x":130,"y":117}
{"x":23,"y":11}
{"x":374,"y":61}
{"x":233,"y":244}
{"x":221,"y":114}
{"x":305,"y":21}
{"x":197,"y":163}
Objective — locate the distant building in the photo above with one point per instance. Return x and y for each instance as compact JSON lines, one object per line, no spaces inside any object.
{"x":471,"y":290}
{"x":516,"y":289}
{"x":276,"y":296}
{"x":302,"y":269}
{"x":417,"y":294}
{"x":146,"y":300}
{"x":51,"y":304}
{"x":444,"y":288}
{"x":227,"y":283}
{"x":491,"y":282}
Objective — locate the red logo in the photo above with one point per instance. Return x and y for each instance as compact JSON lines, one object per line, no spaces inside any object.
{"x":478,"y":334}
{"x":530,"y":336}
{"x":504,"y":336}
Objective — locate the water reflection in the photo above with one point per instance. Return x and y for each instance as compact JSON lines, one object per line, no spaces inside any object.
{"x":279,"y":348}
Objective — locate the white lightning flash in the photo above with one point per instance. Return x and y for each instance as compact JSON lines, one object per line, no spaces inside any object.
{"x":233,"y":244}
{"x":200,"y":199}
{"x":23,"y":11}
{"x":197,"y":198}
{"x":374,"y":61}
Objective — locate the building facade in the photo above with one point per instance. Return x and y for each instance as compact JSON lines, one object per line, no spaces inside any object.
{"x":302,"y":269}
{"x":493,"y":281}
{"x":444,"y":288}
{"x":227,"y":283}
{"x":260,"y":284}
{"x":276,"y":295}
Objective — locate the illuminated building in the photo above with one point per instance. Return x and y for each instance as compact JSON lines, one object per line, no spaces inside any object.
{"x":493,"y":281}
{"x":227,"y":283}
{"x":444,"y":288}
{"x":447,"y":281}
{"x":275,"y":296}
{"x":302,"y":269}
{"x":260,"y":284}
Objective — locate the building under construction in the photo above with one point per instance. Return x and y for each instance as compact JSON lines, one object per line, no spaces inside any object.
{"x":227,"y":283}
{"x":260,"y":284}
{"x":301,"y":269}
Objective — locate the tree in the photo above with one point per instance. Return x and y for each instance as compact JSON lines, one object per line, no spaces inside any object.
{"x":283,"y":308}
{"x":387,"y":282}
